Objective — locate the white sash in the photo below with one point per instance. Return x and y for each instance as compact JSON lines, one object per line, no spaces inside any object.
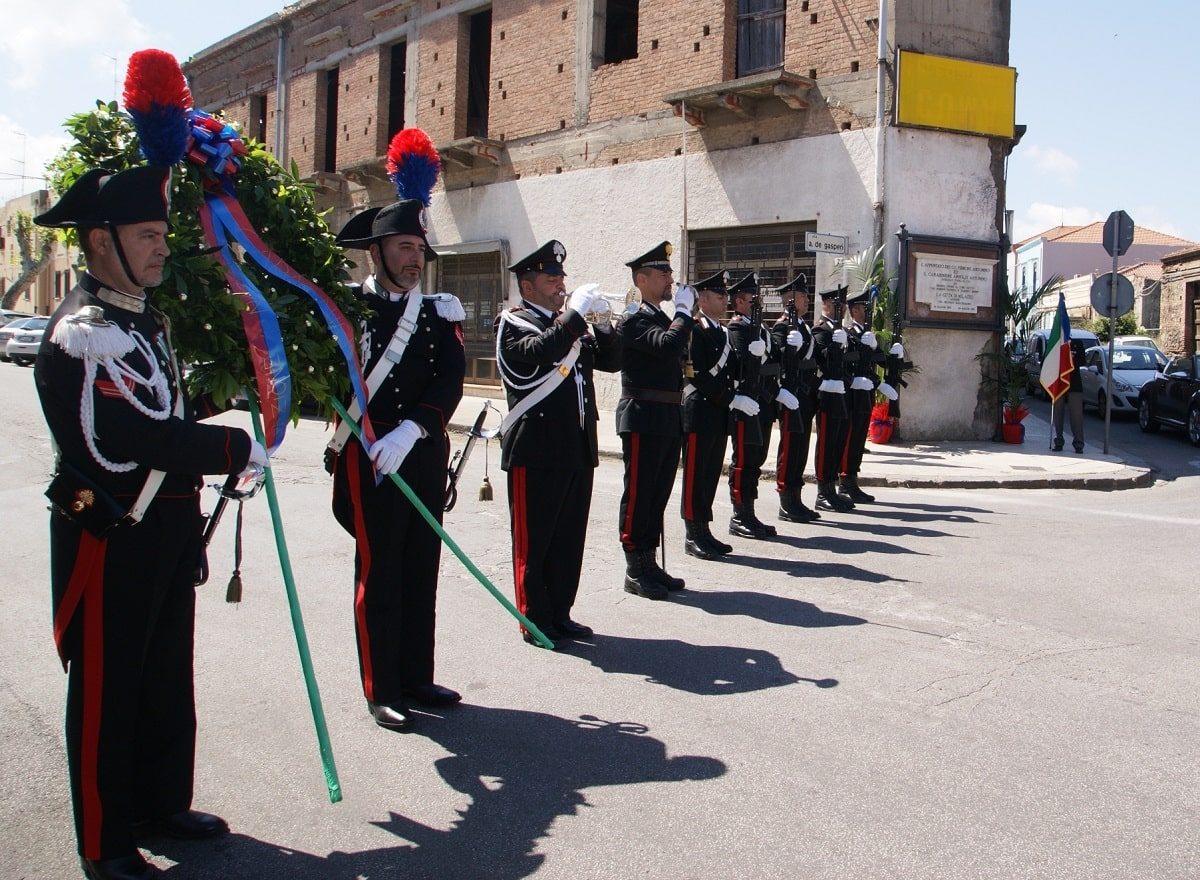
{"x":543,"y":385}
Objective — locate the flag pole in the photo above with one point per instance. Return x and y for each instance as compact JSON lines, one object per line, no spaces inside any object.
{"x":310,"y":679}
{"x":447,"y":540}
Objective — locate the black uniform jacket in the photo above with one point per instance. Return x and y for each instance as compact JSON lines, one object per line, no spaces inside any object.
{"x":798,"y":366}
{"x":653,"y":348}
{"x":550,"y":435}
{"x":427,"y":385}
{"x":860,"y":360}
{"x":830,"y":357}
{"x":706,"y":404}
{"x":753,"y":376}
{"x":181,"y":447}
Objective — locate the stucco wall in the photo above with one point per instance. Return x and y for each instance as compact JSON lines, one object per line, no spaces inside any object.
{"x":939,"y":184}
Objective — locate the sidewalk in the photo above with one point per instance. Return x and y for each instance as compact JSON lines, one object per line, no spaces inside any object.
{"x":979,"y":464}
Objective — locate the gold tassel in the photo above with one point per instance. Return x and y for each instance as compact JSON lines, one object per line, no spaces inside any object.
{"x":233,"y":593}
{"x":485,"y":490}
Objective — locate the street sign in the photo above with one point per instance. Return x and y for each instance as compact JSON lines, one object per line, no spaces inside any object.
{"x":819,"y":243}
{"x":1102,"y":291}
{"x":1120,"y":225}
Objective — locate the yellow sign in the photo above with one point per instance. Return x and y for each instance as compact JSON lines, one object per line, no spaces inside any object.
{"x":949,"y":93}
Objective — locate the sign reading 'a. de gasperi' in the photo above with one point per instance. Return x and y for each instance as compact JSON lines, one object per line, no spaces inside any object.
{"x":960,"y":285}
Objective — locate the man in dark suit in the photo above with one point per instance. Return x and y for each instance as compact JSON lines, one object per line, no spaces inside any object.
{"x":706,"y":399}
{"x":756,"y":383}
{"x":653,"y":348}
{"x":548,"y":440}
{"x":413,"y":356}
{"x":797,"y":399}
{"x":124,"y":600}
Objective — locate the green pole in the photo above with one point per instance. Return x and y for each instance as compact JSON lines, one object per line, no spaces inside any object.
{"x":289,"y":582}
{"x":448,"y":541}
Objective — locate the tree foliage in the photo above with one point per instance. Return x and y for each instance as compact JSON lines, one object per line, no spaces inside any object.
{"x":34,"y":247}
{"x":205,"y":317}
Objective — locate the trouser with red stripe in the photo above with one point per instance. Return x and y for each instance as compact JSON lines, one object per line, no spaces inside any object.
{"x":795,"y":433}
{"x":131,"y":717}
{"x":548,"y":510}
{"x":859,"y":403}
{"x":749,"y":454}
{"x":703,"y":455}
{"x":832,"y":427}
{"x":395,"y":568}
{"x":650,"y":464}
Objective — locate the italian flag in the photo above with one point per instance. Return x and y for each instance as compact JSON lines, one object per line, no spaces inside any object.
{"x":1056,"y":368}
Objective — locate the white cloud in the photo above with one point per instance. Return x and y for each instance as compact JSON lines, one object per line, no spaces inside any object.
{"x":1039,"y":217}
{"x":40,"y":37}
{"x":1052,"y":162}
{"x":23,"y":158}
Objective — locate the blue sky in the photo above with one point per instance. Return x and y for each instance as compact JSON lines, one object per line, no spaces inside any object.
{"x":1108,"y":91}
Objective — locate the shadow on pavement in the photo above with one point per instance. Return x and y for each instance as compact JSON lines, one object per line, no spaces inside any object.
{"x":846,"y":546}
{"x":522,"y":771}
{"x":803,"y":569}
{"x":708,"y":670}
{"x":764,"y":607}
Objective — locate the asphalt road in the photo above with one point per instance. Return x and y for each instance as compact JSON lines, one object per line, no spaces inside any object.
{"x":946,"y":684}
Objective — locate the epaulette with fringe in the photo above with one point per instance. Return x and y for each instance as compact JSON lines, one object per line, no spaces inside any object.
{"x":87,"y":334}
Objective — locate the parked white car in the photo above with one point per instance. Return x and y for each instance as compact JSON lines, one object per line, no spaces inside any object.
{"x":1133,"y":367}
{"x":22,"y":346}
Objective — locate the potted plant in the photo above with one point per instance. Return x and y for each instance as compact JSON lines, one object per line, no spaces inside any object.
{"x":1015,"y":410}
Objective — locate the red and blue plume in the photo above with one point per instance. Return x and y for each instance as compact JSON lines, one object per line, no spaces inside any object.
{"x":157,"y":97}
{"x":413,"y":164}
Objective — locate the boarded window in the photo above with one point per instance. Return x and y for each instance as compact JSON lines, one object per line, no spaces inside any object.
{"x":620,"y":30}
{"x":479,"y":67}
{"x":257,"y":124}
{"x":329,"y":142}
{"x":776,"y":253}
{"x":397,"y":62}
{"x":478,"y":280}
{"x":759,"y":35}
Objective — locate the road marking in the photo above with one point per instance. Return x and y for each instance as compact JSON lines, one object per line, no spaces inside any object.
{"x":1064,"y":508}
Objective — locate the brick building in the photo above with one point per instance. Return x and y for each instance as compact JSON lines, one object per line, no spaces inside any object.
{"x":1181,"y":302}
{"x":591,"y":120}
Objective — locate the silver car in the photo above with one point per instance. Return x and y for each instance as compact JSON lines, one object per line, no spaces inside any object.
{"x":23,"y":347}
{"x":11,"y":329}
{"x":1133,"y":367}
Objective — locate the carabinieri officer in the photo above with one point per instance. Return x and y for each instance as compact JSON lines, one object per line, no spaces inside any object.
{"x":653,"y":348}
{"x":548,"y":439}
{"x":124,"y":602}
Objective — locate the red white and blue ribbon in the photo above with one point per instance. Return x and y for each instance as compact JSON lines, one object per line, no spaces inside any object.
{"x":218,"y":149}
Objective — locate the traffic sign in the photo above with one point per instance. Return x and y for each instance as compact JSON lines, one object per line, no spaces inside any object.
{"x":1102,"y":291}
{"x":819,"y":243}
{"x":1118,"y":233}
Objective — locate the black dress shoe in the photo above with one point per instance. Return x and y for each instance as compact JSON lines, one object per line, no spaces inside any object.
{"x":695,"y":547}
{"x":531,"y":639}
{"x":392,"y":717}
{"x":184,"y":825}
{"x":432,"y":695}
{"x":573,"y":630}
{"x":132,"y":867}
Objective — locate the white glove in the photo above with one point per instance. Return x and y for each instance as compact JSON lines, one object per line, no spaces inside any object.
{"x":257,"y":462}
{"x":685,"y":298}
{"x":839,"y":336}
{"x":744,"y":404}
{"x":888,"y":391}
{"x":868,"y":339}
{"x":758,"y":348}
{"x":897,"y":349}
{"x":391,"y":449}
{"x":582,"y":297}
{"x":795,"y":339}
{"x":787,"y":399}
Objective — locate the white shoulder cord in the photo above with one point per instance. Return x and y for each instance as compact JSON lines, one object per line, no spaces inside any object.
{"x":516,"y":379}
{"x":118,"y":371}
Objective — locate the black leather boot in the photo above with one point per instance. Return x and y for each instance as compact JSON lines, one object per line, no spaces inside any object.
{"x":638,"y":580}
{"x":792,"y":509}
{"x":693,"y":544}
{"x":720,"y":548}
{"x":655,"y":571}
{"x":829,"y":499}
{"x":850,"y":489}
{"x":745,"y":524}
{"x":132,"y":867}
